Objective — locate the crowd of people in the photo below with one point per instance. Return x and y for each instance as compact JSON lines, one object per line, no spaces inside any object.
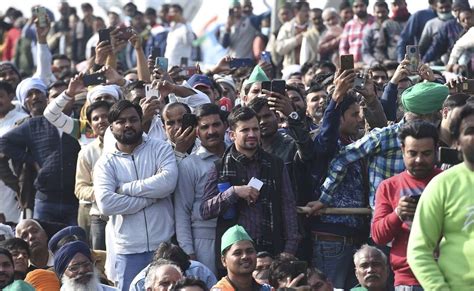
{"x":334,"y":151}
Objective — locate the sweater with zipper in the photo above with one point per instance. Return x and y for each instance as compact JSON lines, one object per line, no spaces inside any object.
{"x":135,"y":191}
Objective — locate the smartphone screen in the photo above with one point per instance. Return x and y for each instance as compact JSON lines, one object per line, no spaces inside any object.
{"x":347,"y":62}
{"x":266,"y":57}
{"x":279,"y":86}
{"x":104,"y":35}
{"x":184,"y":62}
{"x":162,"y":63}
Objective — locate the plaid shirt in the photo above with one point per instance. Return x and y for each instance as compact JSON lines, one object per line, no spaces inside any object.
{"x":381,"y":147}
{"x":351,"y":39}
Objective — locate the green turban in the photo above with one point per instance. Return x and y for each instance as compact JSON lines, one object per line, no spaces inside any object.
{"x":233,"y":3}
{"x":234,"y":234}
{"x":258,"y":75}
{"x":424,"y":98}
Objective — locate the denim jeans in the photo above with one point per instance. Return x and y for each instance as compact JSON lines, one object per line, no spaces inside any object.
{"x":128,"y":266}
{"x":408,"y":288}
{"x":55,"y":212}
{"x":335,"y":259}
{"x":98,"y":232}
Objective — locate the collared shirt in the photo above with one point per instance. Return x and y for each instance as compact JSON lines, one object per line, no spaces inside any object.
{"x":351,"y":39}
{"x":189,"y":191}
{"x":215,"y":203}
{"x":381,"y":147}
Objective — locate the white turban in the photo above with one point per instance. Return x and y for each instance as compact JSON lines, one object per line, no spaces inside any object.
{"x":112,"y":90}
{"x":28,"y":84}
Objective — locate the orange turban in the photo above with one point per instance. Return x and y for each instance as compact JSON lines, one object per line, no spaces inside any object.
{"x":43,"y":280}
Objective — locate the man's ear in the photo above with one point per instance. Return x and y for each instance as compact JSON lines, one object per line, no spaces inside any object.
{"x":232,"y":135}
{"x":223,"y":261}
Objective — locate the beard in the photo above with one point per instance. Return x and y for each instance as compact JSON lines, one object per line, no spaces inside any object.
{"x":362,"y":14}
{"x":5,"y":283}
{"x":127,"y":138}
{"x":72,"y":284}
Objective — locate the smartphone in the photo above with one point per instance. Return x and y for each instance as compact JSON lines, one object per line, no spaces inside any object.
{"x":359,"y":82}
{"x":125,"y":33}
{"x":104,"y":35}
{"x":151,"y":92}
{"x":416,"y":197}
{"x":40,"y":13}
{"x":347,"y":62}
{"x":267,"y":85}
{"x":299,"y":267}
{"x":266,"y":57}
{"x":93,"y":79}
{"x":241,"y":62}
{"x":187,"y":72}
{"x":189,"y":120}
{"x":183,"y":62}
{"x":414,"y":57}
{"x":92,"y":51}
{"x":466,"y":86}
{"x":162,"y":63}
{"x":231,"y":12}
{"x":278,"y":86}
{"x":449,"y":156}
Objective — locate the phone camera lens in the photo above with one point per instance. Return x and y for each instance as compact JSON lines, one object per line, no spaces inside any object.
{"x":413,"y":50}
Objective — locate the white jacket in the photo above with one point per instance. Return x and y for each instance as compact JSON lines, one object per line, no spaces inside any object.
{"x":134,"y":189}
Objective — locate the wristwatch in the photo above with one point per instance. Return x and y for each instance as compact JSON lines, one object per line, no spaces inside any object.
{"x":294,"y":115}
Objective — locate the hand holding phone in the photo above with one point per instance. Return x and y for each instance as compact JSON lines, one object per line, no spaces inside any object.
{"x":41,"y":15}
{"x":189,"y":120}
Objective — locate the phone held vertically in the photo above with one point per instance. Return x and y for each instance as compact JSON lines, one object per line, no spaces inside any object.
{"x":104,"y":35}
{"x":189,"y":120}
{"x":413,"y":56}
{"x":41,"y":15}
{"x":347,"y":62}
{"x":162,"y":63}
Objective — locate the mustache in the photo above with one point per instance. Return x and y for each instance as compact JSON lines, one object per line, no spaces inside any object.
{"x":376,"y":276}
{"x":214,"y":135}
{"x":88,"y":274}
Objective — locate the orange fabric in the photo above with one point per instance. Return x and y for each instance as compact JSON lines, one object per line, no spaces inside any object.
{"x":43,"y":280}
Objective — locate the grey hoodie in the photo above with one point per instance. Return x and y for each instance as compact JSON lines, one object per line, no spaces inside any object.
{"x":134,"y":189}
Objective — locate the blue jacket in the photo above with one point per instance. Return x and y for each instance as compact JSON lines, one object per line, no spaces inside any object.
{"x":38,"y":141}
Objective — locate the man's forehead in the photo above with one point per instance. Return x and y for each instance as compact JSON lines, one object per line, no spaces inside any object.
{"x":247,"y":123}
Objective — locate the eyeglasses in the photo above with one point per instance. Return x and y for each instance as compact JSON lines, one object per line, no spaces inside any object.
{"x":76,"y":267}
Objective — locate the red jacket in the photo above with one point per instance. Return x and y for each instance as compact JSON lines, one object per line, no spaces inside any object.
{"x":387,"y":227}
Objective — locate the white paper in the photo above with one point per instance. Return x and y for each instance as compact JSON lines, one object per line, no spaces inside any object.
{"x":255,"y":183}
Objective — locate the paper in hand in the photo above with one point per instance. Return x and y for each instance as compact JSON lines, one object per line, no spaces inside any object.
{"x":255,"y":183}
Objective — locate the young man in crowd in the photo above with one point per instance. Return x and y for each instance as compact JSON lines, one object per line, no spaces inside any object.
{"x":195,"y":235}
{"x":239,"y":257}
{"x":396,"y":198}
{"x":268,"y":213}
{"x":128,"y":187}
{"x":444,"y":219}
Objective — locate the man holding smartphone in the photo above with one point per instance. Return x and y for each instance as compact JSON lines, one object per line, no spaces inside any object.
{"x":397,"y":197}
